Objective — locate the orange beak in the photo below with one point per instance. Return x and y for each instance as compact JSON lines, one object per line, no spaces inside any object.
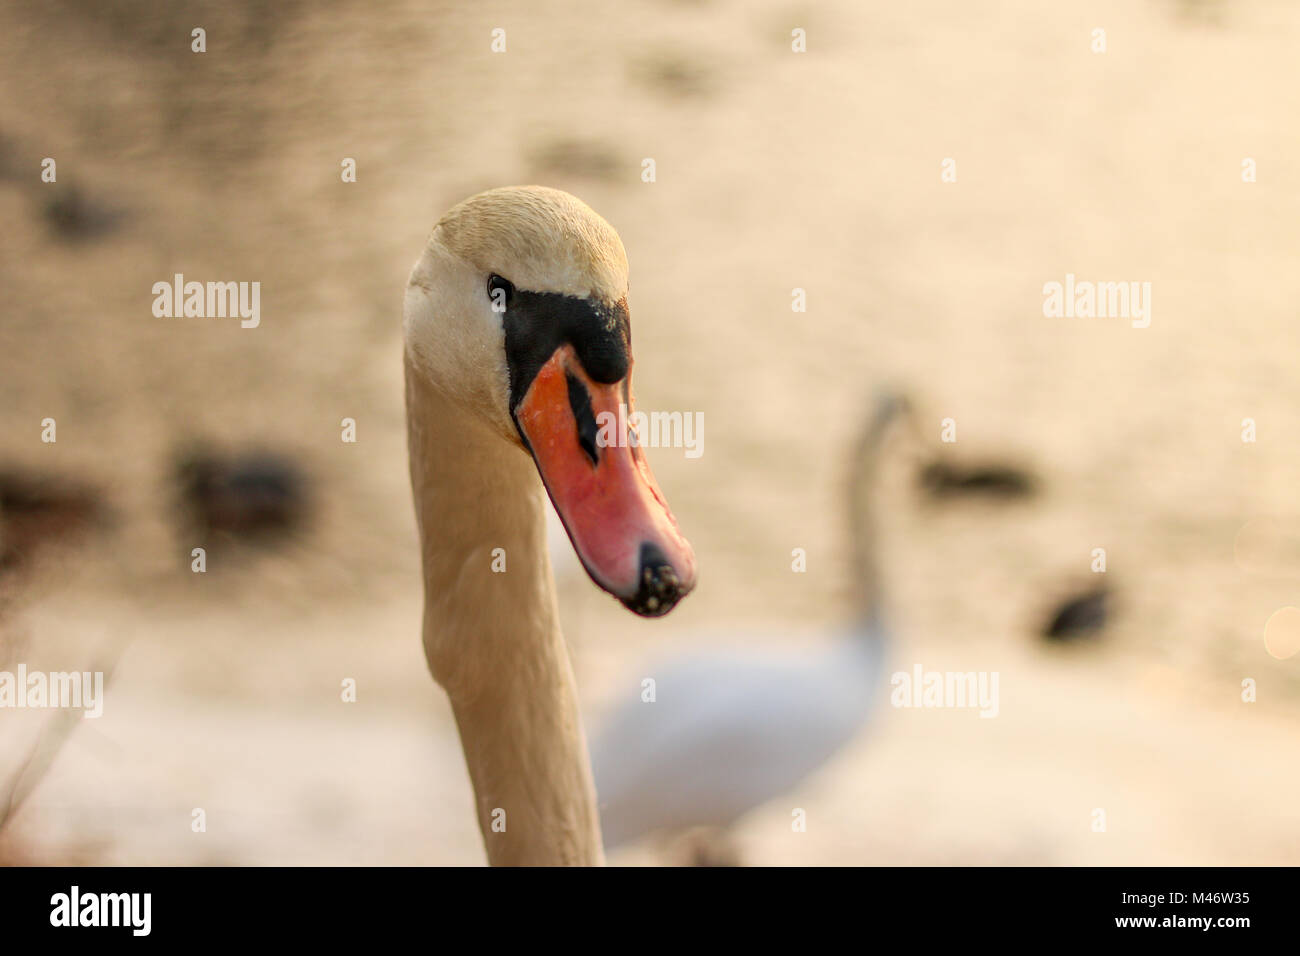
{"x":602,"y":487}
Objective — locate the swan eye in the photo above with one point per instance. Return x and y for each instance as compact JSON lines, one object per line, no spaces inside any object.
{"x":500,"y":291}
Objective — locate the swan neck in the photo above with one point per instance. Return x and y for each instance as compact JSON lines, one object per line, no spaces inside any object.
{"x":492,"y":637}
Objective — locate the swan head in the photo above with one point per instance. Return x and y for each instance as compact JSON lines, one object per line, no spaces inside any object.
{"x":518,"y":312}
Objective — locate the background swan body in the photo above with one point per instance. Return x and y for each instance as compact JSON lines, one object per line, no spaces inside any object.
{"x":729,"y":731}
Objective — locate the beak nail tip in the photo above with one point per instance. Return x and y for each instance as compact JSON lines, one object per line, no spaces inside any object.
{"x":659,"y":589}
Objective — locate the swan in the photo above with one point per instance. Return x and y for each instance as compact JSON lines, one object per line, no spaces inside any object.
{"x":516,"y":338}
{"x":729,"y":731}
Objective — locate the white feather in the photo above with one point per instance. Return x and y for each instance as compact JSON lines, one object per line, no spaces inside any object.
{"x":728,"y":732}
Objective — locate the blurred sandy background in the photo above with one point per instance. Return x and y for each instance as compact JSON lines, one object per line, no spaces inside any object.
{"x":775,"y":171}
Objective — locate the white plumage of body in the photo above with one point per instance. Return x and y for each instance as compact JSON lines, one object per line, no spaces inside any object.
{"x":729,"y":732}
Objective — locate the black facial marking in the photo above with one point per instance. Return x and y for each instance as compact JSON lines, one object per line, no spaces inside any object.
{"x":538,"y":323}
{"x":580,"y":402}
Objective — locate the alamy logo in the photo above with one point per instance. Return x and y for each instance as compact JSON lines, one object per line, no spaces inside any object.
{"x":211,"y":300}
{"x":75,"y":908}
{"x":76,"y":689}
{"x":946,"y":689}
{"x":1103,"y":300}
{"x":652,"y":430}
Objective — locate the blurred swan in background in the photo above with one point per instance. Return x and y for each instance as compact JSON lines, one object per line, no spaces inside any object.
{"x":731,"y":730}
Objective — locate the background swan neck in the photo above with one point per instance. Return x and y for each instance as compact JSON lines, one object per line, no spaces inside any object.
{"x":492,"y":637}
{"x":864,"y":474}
